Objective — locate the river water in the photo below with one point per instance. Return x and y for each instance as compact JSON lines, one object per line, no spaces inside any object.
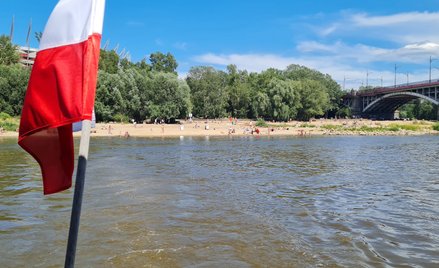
{"x":231,"y":202}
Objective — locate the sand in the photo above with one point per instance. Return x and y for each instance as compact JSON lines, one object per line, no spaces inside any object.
{"x":225,"y":127}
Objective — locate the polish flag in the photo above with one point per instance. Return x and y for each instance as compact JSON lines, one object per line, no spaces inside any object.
{"x":61,"y":88}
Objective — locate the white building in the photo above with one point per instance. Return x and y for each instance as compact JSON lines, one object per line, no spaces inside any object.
{"x":27,"y":55}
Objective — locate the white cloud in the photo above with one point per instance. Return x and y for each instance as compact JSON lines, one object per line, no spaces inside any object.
{"x":364,"y":19}
{"x":410,"y":39}
{"x":409,"y":27}
{"x":249,"y":62}
{"x":340,"y":67}
{"x":412,"y":53}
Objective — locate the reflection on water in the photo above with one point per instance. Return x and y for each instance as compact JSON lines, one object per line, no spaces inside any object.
{"x":231,"y":202}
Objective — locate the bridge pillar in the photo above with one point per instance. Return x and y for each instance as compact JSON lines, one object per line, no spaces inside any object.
{"x":437,"y":109}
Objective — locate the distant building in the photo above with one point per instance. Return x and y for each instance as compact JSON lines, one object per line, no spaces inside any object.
{"x":27,"y":55}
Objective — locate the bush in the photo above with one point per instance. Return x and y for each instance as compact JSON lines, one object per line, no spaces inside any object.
{"x":8,"y":123}
{"x":4,"y":116}
{"x":261,"y":123}
{"x":120,"y":118}
{"x":436,"y":127}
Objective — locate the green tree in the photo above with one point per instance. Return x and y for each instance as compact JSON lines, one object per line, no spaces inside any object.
{"x":208,"y":93}
{"x":8,"y":52}
{"x":238,"y":91}
{"x":170,"y":97}
{"x":419,"y":109}
{"x":284,"y":99}
{"x":109,"y":61}
{"x":109,"y":100}
{"x":332,"y":88}
{"x":163,"y":63}
{"x":259,"y":83}
{"x":13,"y":84}
{"x":314,"y":99}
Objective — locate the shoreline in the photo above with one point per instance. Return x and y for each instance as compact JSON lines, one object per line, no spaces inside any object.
{"x":245,"y":127}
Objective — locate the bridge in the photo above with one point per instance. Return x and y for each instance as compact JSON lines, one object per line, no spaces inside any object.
{"x":383,"y":102}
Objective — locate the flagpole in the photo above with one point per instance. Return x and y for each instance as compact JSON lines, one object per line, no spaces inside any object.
{"x":77,"y":198}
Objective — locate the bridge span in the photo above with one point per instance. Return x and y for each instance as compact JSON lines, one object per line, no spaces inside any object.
{"x":383,"y":102}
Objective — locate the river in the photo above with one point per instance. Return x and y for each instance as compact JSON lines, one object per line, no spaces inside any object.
{"x":231,"y":202}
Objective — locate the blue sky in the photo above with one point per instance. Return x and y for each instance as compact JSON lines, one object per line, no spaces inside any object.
{"x":356,"y":42}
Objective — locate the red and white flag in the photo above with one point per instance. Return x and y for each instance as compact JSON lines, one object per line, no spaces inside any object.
{"x":62,"y":88}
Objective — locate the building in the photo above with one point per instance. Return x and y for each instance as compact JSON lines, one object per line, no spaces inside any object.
{"x":27,"y":55}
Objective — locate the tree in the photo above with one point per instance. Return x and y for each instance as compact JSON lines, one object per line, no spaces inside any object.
{"x":13,"y":84}
{"x":170,"y":98}
{"x":8,"y":52}
{"x":284,"y":99}
{"x":109,"y":100}
{"x":38,"y":36}
{"x":332,"y":88}
{"x":260,"y":102}
{"x":238,"y":91}
{"x":314,"y":99}
{"x":208,"y":93}
{"x":109,"y":61}
{"x":163,"y":63}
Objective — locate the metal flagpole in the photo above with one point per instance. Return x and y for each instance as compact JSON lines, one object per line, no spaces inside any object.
{"x":77,"y":198}
{"x":11,"y":34}
{"x":27,"y":41}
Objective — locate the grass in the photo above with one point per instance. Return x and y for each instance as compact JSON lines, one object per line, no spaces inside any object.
{"x":380,"y":128}
{"x":405,"y":127}
{"x":307,"y":125}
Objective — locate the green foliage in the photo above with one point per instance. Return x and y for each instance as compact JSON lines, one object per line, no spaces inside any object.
{"x":208,"y":92}
{"x":109,"y":61}
{"x":170,"y":98}
{"x":331,"y":127}
{"x":313,"y":98}
{"x":4,"y":116}
{"x":308,"y":125}
{"x":121,"y":118}
{"x":344,"y":112}
{"x":436,"y":127}
{"x":238,"y":91}
{"x":284,"y":98}
{"x":404,"y":127}
{"x":147,"y":91}
{"x":163,"y":63}
{"x":8,"y":123}
{"x":8,"y":51}
{"x":261,"y":123}
{"x":13,"y":84}
{"x":141,"y":94}
{"x":332,"y":88}
{"x":419,"y":109}
{"x":391,"y":128}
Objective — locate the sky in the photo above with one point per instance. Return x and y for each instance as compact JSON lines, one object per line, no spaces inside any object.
{"x":358,"y":43}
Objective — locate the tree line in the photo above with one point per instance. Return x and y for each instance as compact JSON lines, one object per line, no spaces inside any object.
{"x":151,"y":89}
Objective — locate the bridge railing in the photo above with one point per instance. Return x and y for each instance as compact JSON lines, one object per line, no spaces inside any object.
{"x":399,"y":87}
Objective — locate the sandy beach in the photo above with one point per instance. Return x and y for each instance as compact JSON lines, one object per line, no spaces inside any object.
{"x":226,"y":127}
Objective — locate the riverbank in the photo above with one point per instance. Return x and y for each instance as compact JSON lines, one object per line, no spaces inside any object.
{"x":225,"y":127}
